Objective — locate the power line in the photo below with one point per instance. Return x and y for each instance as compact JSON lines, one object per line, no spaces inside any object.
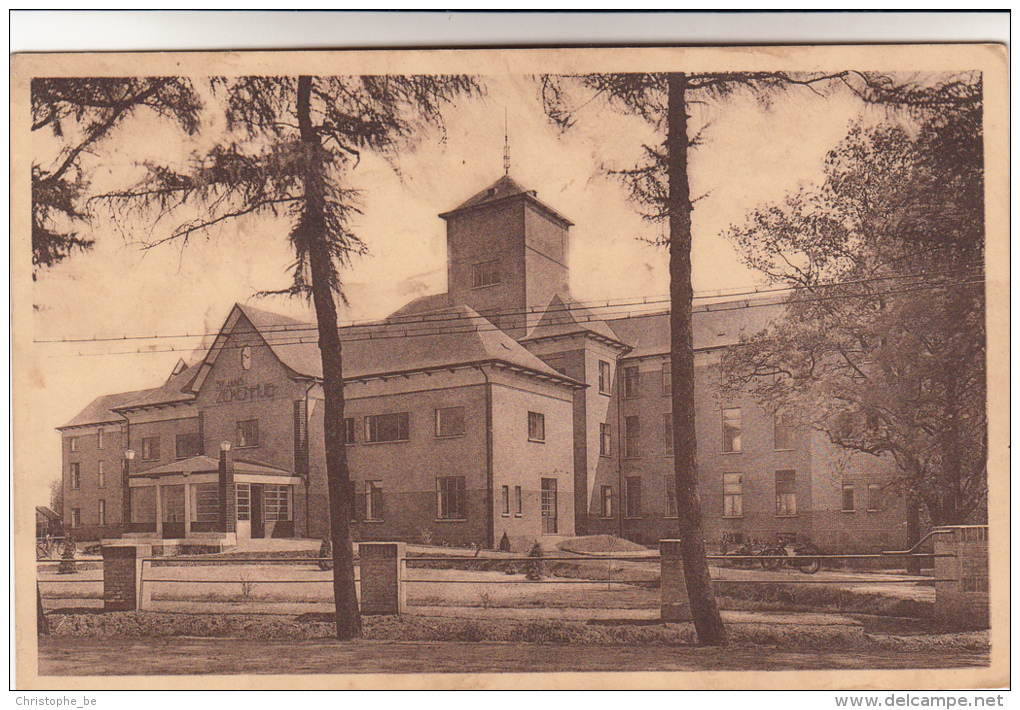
{"x":392,"y":331}
{"x":444,"y":317}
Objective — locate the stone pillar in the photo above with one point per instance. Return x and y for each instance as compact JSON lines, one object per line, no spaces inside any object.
{"x":159,"y":510}
{"x":228,"y":494}
{"x":123,"y":589}
{"x":675,"y":606}
{"x":963,"y":600}
{"x":187,"y":508}
{"x":382,"y":585}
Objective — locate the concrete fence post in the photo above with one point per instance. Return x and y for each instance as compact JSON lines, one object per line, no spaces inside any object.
{"x":382,"y":585}
{"x":675,"y":606}
{"x":963,"y":599}
{"x":123,"y":589}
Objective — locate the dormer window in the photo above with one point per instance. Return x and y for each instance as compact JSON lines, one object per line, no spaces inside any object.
{"x":485,"y":273}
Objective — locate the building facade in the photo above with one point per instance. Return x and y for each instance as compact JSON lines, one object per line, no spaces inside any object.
{"x":501,"y":407}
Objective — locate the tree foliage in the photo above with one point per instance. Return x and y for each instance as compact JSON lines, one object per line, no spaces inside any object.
{"x":289,"y":151}
{"x":882,"y":342}
{"x":78,"y":115}
{"x":660,"y":188}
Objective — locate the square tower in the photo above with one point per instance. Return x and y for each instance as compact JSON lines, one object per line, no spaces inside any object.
{"x":506,"y":255}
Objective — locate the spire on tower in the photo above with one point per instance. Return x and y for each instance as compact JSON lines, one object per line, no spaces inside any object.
{"x":506,"y":145}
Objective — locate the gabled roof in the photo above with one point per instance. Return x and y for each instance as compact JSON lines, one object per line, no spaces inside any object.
{"x":565,"y":316}
{"x":46,"y":512}
{"x":101,"y":409}
{"x":504,"y":189}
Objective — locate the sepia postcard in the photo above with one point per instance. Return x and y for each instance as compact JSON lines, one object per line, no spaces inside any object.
{"x":527,"y":368}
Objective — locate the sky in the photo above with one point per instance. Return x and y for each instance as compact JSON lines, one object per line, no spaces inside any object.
{"x":750,"y":155}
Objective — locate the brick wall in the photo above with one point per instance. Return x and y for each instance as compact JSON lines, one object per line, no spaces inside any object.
{"x":86,"y":498}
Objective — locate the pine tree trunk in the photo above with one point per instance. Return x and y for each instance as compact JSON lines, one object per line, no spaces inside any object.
{"x":707,"y":621}
{"x":347,"y":613}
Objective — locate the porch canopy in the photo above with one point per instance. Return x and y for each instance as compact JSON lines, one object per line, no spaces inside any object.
{"x":183,"y":497}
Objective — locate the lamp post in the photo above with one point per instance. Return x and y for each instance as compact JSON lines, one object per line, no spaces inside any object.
{"x":129,"y":456}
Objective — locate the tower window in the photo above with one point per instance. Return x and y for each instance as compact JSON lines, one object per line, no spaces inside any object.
{"x":485,"y":273}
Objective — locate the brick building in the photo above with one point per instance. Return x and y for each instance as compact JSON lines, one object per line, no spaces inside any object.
{"x":500,"y":406}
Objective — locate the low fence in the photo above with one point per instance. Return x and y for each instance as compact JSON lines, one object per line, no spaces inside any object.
{"x":960,"y":579}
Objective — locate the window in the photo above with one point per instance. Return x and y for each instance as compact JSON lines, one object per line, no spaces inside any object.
{"x":605,"y":377}
{"x":733,"y":495}
{"x":606,"y":502}
{"x":536,"y":426}
{"x":667,"y":432}
{"x":667,"y":381}
{"x":243,"y":501}
{"x":506,"y":501}
{"x":101,"y":471}
{"x":848,"y":497}
{"x":349,"y":429}
{"x":373,"y":500}
{"x":75,"y":476}
{"x":485,"y":273}
{"x":450,"y":495}
{"x":150,"y":448}
{"x":786,"y":493}
{"x":207,"y":502}
{"x":633,"y":484}
{"x":72,"y":443}
{"x":248,"y":433}
{"x":276,"y":500}
{"x":783,"y":431}
{"x":518,"y":502}
{"x":731,"y":443}
{"x":670,"y":482}
{"x":450,"y":421}
{"x":99,"y":439}
{"x":549,"y":517}
{"x":631,"y":437}
{"x":188,"y":445}
{"x":606,"y":439}
{"x":75,"y":517}
{"x":386,"y":427}
{"x":102,"y":512}
{"x":631,"y":382}
{"x":874,"y":497}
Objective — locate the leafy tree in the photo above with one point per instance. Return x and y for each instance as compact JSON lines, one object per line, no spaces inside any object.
{"x":57,"y":497}
{"x":660,"y":187}
{"x":78,"y":115}
{"x":882,"y":342}
{"x":290,"y":151}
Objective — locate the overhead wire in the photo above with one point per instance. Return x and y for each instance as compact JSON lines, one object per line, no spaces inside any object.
{"x":471,"y":324}
{"x":441,"y":317}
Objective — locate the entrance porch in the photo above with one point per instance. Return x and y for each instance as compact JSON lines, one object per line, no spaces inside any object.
{"x":200,"y":500}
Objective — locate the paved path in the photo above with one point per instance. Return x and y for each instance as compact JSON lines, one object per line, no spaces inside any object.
{"x":181,"y":656}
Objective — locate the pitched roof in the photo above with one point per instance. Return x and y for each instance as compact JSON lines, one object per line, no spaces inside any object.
{"x":100,"y":410}
{"x":565,"y":316}
{"x":714,"y":325}
{"x":170,"y":392}
{"x":446,"y":337}
{"x":202,"y":464}
{"x":422,"y":304}
{"x":503,"y":189}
